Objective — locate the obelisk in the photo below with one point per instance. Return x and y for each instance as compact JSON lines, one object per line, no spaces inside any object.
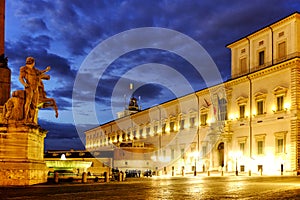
{"x":21,"y":144}
{"x":5,"y":73}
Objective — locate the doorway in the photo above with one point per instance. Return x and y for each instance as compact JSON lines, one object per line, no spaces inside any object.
{"x":221,"y":154}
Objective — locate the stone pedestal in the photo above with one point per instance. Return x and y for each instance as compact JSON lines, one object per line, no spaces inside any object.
{"x":22,"y":154}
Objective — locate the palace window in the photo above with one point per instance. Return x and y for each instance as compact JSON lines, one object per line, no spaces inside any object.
{"x":279,"y":93}
{"x":182,"y":153}
{"x":128,"y":135}
{"x":192,"y":122}
{"x":242,"y":147}
{"x":172,"y":154}
{"x":148,"y":131}
{"x":241,"y":102}
{"x":260,"y":107}
{"x":260,"y":147}
{"x":241,"y":144}
{"x":163,"y":128}
{"x":243,"y":65}
{"x":204,"y":151}
{"x":260,"y":143}
{"x":242,"y":111}
{"x":155,"y":129}
{"x":141,"y":132}
{"x":203,"y":118}
{"x":260,"y":102}
{"x":280,"y":139}
{"x":281,"y":50}
{"x":222,"y":109}
{"x":261,"y":58}
{"x":279,"y":146}
{"x":280,"y":103}
{"x":172,"y":124}
{"x":182,"y":124}
{"x":281,"y":34}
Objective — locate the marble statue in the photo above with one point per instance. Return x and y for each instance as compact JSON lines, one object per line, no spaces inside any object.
{"x":13,"y":108}
{"x":24,"y":104}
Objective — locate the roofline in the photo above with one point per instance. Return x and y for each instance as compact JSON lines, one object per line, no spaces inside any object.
{"x":205,"y":88}
{"x":228,"y":80}
{"x":244,"y":37}
{"x":224,"y":82}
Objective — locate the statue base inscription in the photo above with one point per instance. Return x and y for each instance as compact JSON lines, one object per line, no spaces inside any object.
{"x":21,"y":154}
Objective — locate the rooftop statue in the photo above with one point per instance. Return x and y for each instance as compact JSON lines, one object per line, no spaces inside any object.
{"x":24,"y":104}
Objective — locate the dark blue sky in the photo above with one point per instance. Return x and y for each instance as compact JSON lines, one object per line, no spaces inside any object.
{"x":63,"y":33}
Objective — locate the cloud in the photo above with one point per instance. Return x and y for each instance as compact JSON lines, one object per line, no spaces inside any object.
{"x":62,"y":33}
{"x":61,"y":136}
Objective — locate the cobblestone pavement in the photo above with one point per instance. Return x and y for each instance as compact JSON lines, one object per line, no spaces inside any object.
{"x":286,"y":187}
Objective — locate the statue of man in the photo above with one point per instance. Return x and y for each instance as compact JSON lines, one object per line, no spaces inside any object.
{"x":30,"y":78}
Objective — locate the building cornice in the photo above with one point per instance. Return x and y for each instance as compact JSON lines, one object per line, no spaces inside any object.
{"x":295,"y":15}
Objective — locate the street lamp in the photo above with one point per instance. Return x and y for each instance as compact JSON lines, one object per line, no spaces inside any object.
{"x":195,"y":155}
{"x":236,"y":167}
{"x":238,"y":154}
{"x":195,"y":171}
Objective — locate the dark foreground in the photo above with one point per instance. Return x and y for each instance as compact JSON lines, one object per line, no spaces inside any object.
{"x":165,"y":188}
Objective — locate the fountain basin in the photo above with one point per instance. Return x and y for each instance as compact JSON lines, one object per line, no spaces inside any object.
{"x":68,"y":164}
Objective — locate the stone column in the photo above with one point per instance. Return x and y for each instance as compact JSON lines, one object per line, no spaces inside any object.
{"x":2,"y":25}
{"x":5,"y":72}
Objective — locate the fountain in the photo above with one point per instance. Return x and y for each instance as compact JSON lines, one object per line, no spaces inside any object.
{"x":69,"y":165}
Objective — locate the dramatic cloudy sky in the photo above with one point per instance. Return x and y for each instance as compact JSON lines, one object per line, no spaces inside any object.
{"x":66,"y":34}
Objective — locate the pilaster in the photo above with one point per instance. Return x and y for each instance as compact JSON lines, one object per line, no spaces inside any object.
{"x":295,"y":123}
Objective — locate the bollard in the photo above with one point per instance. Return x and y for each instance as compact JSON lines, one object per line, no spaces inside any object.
{"x":208,"y":173}
{"x":124,"y":176}
{"x":56,"y":179}
{"x":84,"y":177}
{"x":172,"y":170}
{"x":249,"y":173}
{"x":106,"y":177}
{"x":222,"y":173}
{"x":121,"y":176}
{"x":260,"y":172}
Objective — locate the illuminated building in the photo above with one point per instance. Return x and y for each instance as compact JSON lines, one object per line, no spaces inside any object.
{"x":249,"y":123}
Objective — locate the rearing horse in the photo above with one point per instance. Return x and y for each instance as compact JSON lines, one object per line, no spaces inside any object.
{"x":44,"y":101}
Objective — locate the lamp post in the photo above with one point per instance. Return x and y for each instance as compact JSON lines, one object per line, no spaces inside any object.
{"x":194,"y":155}
{"x":195,"y":171}
{"x":236,"y":167}
{"x":238,"y":154}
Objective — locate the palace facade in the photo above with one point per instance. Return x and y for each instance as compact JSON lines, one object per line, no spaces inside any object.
{"x":250,"y":123}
